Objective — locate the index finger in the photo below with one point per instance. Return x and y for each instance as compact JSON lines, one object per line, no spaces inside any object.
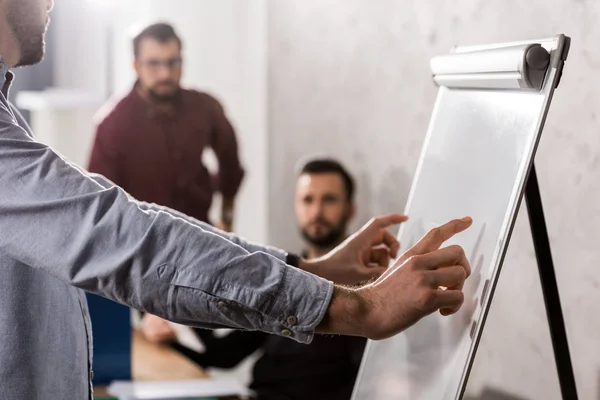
{"x":388,"y":220}
{"x":437,"y":236}
{"x":448,"y":256}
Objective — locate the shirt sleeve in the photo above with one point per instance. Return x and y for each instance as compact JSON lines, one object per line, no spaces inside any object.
{"x":224,"y":144}
{"x":55,"y":218}
{"x":249,"y":246}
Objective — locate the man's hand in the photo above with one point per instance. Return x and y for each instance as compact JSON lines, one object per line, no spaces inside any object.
{"x":424,"y":280}
{"x":362,"y":256}
{"x":226,"y":221}
{"x":225,"y":227}
{"x":432,"y":241}
{"x":156,"y":329}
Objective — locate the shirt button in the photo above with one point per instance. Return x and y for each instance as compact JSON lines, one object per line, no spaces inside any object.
{"x":286,"y":332}
{"x":84,"y":311}
{"x":222,"y":304}
{"x":292,"y":320}
{"x":91,"y":375}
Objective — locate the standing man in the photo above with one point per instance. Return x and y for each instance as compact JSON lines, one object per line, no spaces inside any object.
{"x":327,"y":367}
{"x":65,"y":231}
{"x":151,"y":141}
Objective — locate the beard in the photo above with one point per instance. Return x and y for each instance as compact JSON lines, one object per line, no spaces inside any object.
{"x":333,"y":235}
{"x":164,"y":97}
{"x":28,"y":30}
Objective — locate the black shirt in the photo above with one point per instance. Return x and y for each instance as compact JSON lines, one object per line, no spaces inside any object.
{"x":324,"y":369}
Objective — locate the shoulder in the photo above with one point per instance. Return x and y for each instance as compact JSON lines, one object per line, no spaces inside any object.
{"x":204,"y":99}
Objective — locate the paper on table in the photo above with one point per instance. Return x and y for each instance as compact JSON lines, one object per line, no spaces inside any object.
{"x":127,"y":390}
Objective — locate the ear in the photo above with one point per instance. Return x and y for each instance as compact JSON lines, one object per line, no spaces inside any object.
{"x":136,"y":67}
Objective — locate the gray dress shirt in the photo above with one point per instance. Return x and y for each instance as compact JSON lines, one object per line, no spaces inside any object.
{"x":63,"y":231}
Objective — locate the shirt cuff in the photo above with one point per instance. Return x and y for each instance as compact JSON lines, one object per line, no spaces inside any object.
{"x":300,"y":305}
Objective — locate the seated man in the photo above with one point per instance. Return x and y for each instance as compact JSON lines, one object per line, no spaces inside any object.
{"x":326,"y":368}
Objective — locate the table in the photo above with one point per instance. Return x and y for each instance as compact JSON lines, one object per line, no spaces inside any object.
{"x":153,"y":362}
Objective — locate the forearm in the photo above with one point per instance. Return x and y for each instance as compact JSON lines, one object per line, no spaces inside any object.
{"x":58,"y":220}
{"x":249,"y":246}
{"x":347,"y":306}
{"x":347,"y":314}
{"x":227,"y":210}
{"x":312,"y":267}
{"x":334,"y":271}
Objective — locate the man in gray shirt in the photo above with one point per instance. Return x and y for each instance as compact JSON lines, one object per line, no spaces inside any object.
{"x":63,"y":231}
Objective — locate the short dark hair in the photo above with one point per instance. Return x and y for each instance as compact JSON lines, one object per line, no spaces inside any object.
{"x":160,"y":31}
{"x":328,"y":165}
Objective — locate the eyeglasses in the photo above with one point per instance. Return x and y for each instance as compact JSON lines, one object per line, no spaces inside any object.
{"x":154,"y":65}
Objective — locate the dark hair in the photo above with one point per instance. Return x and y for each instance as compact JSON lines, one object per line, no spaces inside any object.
{"x":160,"y":31}
{"x":326,"y":165}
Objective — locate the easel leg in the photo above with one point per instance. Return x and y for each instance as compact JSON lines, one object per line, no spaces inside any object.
{"x":554,"y":313}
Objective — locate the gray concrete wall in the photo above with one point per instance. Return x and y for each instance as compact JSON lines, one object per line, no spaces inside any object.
{"x":350,"y":79}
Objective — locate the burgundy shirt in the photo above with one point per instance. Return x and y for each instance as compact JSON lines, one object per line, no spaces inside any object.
{"x":156,"y":155}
